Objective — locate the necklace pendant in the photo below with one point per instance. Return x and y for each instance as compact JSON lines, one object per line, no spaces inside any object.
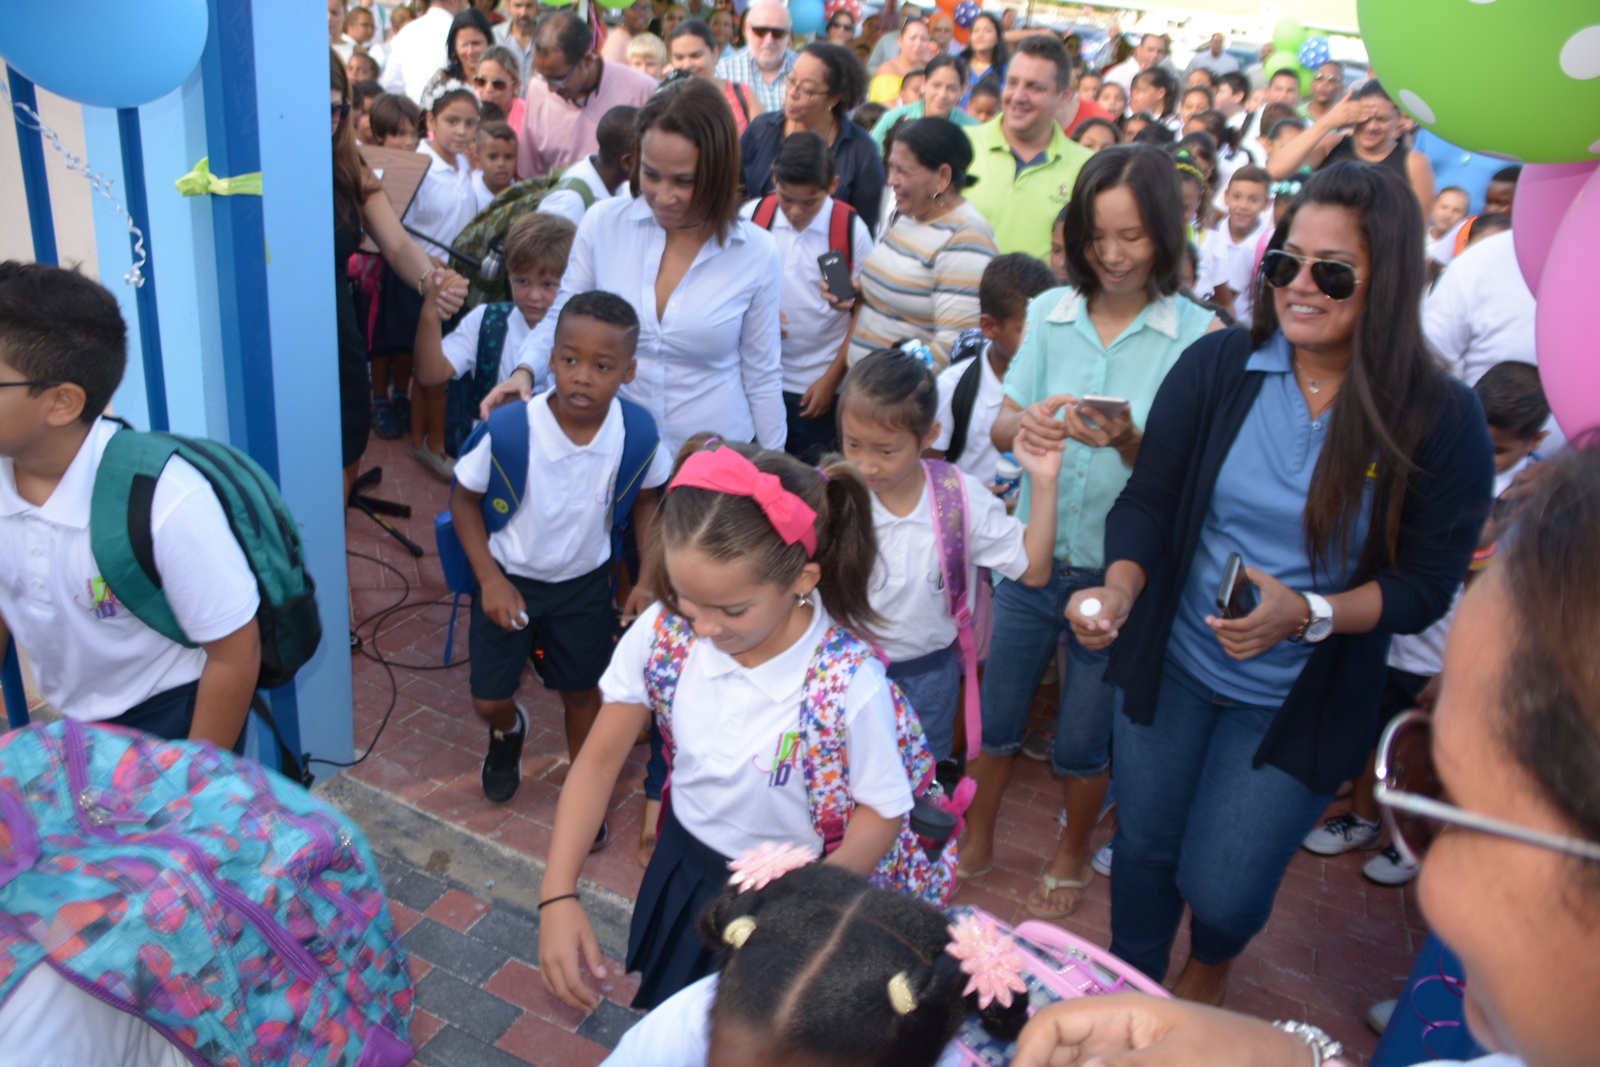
{"x":1316,"y":387}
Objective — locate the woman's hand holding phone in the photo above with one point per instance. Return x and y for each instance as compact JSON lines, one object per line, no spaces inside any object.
{"x":1280,"y":615}
{"x":1094,"y":429}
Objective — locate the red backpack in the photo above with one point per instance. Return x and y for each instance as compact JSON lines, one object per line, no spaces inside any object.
{"x":838,"y":225}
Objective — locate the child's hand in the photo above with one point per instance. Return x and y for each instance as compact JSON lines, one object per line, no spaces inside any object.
{"x":1043,"y":425}
{"x":1042,"y":464}
{"x":838,"y":302}
{"x":503,"y":605}
{"x":638,"y":600}
{"x":564,"y":936}
{"x":451,"y":291}
{"x":817,"y":400}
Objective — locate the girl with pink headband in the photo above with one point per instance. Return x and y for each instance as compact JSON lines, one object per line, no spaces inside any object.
{"x":760,"y":568}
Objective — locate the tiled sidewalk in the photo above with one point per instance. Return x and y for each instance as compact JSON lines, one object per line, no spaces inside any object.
{"x":1335,"y":943}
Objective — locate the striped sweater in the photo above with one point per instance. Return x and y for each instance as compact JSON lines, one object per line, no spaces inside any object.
{"x":922,"y":281}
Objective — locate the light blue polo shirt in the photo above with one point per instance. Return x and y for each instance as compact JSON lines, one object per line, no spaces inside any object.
{"x":1061,"y":352}
{"x":1258,"y":510}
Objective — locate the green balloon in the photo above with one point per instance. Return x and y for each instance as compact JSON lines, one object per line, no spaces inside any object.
{"x":1288,"y":35}
{"x":1287,"y":61}
{"x":1433,"y":56}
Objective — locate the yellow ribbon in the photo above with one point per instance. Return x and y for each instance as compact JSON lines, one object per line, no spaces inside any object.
{"x":201,"y":182}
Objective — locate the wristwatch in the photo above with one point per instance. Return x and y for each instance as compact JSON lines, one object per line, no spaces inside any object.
{"x":1319,"y":623}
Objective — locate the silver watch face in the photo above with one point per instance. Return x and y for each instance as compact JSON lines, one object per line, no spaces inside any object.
{"x":1319,"y":630}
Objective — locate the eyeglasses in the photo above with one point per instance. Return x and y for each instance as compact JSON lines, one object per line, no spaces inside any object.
{"x":497,"y":84}
{"x":1409,"y":790}
{"x":1336,"y":280}
{"x":842,"y":26}
{"x":33,"y":385}
{"x":338,"y":112}
{"x":800,"y":88}
{"x":770,"y":31}
{"x":1327,"y":78}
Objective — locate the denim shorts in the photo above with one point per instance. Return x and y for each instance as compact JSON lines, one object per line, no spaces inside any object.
{"x":932,"y":685}
{"x":1028,"y":623}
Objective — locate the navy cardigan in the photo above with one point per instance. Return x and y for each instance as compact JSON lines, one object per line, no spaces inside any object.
{"x":855,"y":157}
{"x":1328,"y":724}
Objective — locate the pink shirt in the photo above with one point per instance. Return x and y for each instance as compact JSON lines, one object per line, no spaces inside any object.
{"x":556,"y":133}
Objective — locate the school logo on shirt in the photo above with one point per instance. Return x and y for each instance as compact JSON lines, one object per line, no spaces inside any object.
{"x":784,"y":760}
{"x":102,"y":602}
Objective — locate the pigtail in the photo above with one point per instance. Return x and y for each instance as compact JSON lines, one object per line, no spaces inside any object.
{"x":847,"y":548}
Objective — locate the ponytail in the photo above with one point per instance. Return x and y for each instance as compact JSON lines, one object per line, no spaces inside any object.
{"x":725,"y":526}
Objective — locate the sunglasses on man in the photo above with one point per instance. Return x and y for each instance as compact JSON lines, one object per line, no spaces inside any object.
{"x":769,"y":31}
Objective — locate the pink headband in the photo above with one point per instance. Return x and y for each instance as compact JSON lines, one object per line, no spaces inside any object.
{"x":722,"y":470}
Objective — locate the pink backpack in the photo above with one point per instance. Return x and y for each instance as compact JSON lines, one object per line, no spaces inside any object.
{"x":824,"y":759}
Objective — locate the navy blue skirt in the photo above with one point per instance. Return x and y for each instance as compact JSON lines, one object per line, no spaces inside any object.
{"x":664,"y":942}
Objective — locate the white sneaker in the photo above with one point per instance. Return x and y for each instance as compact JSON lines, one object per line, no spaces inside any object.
{"x":1343,"y":833}
{"x":1379,"y":1014}
{"x":1387,"y":868}
{"x":1102,"y":861}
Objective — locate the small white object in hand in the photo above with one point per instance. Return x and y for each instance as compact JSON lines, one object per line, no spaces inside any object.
{"x":1090,"y":608}
{"x":522,"y":620}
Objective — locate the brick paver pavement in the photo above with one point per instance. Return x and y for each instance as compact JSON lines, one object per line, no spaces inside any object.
{"x":1335,"y":943}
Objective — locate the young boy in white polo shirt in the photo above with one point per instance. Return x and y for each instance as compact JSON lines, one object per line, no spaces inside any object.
{"x":63,"y":346}
{"x":546,"y":575}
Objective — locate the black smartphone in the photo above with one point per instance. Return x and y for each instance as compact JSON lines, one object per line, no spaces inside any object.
{"x":1236,"y":594}
{"x":837,"y":275}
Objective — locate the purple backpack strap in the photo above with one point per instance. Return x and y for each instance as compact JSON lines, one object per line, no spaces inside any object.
{"x":947,"y":501}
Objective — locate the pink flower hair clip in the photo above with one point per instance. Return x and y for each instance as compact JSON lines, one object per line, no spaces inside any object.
{"x":991,"y":959}
{"x":756,"y":868}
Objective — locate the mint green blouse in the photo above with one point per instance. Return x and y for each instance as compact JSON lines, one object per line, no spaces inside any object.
{"x":1062,"y":353}
{"x":913,"y":111}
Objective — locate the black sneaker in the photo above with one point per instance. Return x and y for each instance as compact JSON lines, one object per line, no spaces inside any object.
{"x":402,"y":412}
{"x":502,"y":765}
{"x":384,"y":422}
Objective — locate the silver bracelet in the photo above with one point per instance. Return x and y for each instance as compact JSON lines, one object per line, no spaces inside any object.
{"x":1323,"y":1048}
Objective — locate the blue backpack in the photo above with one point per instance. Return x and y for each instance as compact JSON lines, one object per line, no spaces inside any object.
{"x":507,"y":427}
{"x":224,"y":905}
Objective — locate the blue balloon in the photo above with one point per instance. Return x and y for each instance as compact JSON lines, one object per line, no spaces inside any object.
{"x":1314,"y":52}
{"x":135,"y":53}
{"x":967,"y":12}
{"x":807,"y":16}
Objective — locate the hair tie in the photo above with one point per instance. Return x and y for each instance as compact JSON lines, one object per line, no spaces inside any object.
{"x":757,"y":868}
{"x":824,"y":474}
{"x":991,"y":960}
{"x":723,"y":470}
{"x":913,"y":346}
{"x":901,"y":997}
{"x":1189,"y":168}
{"x":738,"y":931}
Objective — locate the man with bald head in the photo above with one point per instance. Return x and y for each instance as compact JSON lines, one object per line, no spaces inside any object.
{"x":766,"y":59}
{"x":571,"y":90}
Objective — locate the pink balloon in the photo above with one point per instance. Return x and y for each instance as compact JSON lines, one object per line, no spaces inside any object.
{"x":1544,"y":193}
{"x":1568,"y":320}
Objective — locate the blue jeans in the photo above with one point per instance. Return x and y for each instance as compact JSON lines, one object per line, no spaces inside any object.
{"x":1198,"y":825}
{"x":1027,"y":625}
{"x":932,"y":685}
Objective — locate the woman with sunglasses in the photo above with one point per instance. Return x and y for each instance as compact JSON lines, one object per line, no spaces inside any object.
{"x":463,"y":46}
{"x":1500,"y":794}
{"x":842,"y":27}
{"x":1330,"y":452}
{"x":498,"y":81}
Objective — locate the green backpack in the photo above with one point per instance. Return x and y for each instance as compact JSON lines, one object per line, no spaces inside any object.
{"x":489,"y":227}
{"x":124,"y":547}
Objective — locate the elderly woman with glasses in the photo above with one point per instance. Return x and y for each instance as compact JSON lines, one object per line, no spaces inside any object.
{"x":1500,"y":793}
{"x":826,"y":83}
{"x":1301,"y":493}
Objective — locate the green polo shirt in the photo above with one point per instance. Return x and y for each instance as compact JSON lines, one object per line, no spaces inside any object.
{"x":1021,"y":205}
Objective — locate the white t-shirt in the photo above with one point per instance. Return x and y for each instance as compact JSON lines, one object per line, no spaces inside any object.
{"x":1481,"y":312}
{"x":907,"y":587}
{"x":1224,"y":261}
{"x":567,"y":203}
{"x":49,"y":1022}
{"x":460,"y":346}
{"x":978,"y":456}
{"x":815,"y":331}
{"x":445,"y":201}
{"x":678,"y":1033}
{"x":91,"y":658}
{"x":562,"y":529}
{"x":736,"y":774}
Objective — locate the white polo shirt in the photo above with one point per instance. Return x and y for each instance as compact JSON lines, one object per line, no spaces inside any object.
{"x":979,"y":456}
{"x":815,"y":331}
{"x":562,"y":529}
{"x":445,"y":201}
{"x":1224,"y":261}
{"x":460,"y":345}
{"x":907,"y":584}
{"x":91,"y":658}
{"x":567,"y":203}
{"x":737,"y":778}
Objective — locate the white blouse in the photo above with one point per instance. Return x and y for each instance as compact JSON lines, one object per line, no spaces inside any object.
{"x":711,"y":360}
{"x":737,"y":778}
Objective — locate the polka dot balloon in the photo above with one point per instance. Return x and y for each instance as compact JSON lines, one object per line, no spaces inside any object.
{"x":1433,"y":56}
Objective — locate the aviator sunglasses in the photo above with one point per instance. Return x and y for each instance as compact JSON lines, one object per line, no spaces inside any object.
{"x":1335,"y":279}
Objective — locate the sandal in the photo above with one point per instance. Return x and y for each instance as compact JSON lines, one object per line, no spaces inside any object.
{"x":1050,"y":884}
{"x":963,"y":875}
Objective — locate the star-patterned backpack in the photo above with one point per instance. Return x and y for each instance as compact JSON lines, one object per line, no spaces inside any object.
{"x":907,"y":867}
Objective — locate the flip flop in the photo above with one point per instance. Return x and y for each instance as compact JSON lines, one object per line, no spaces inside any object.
{"x":1050,"y":885}
{"x":965,"y":875}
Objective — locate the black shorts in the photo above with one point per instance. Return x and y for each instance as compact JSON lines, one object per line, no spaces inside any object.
{"x":572,"y":623}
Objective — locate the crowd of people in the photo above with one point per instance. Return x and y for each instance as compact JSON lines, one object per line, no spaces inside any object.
{"x":949,"y":366}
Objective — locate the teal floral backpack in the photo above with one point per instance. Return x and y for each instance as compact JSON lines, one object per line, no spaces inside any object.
{"x":222,"y":904}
